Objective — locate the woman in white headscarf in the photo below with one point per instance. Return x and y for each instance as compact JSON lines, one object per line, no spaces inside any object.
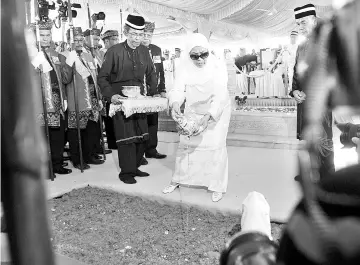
{"x":202,"y":160}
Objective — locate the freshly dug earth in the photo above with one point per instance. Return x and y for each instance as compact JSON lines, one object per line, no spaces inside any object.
{"x":107,"y":228}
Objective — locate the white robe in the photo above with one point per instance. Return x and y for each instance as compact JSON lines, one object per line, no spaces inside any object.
{"x":202,"y":160}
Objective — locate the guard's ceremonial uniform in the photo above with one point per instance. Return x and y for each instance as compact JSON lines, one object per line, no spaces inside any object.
{"x":124,"y":66}
{"x":52,"y":80}
{"x":89,"y":106}
{"x":99,"y":56}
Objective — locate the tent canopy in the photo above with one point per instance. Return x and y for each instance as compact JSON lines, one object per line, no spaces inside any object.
{"x":226,"y":21}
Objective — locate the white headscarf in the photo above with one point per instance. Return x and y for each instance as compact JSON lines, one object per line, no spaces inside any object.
{"x":191,"y":74}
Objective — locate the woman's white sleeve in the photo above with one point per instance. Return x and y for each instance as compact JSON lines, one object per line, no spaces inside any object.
{"x":177,"y":93}
{"x":221,"y":98}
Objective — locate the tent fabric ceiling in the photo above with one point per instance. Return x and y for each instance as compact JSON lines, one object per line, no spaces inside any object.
{"x":227,"y":19}
{"x":279,"y":23}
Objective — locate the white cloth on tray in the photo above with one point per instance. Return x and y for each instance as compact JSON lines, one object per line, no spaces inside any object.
{"x":139,"y":105}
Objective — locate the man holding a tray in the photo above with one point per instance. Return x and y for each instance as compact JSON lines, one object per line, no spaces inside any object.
{"x":153,"y":118}
{"x":125,"y":65}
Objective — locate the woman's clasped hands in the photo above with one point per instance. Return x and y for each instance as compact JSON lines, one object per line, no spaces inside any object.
{"x":205,"y":121}
{"x":176,"y":108}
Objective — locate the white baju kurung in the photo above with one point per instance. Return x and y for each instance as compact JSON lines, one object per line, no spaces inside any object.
{"x":203,"y":160}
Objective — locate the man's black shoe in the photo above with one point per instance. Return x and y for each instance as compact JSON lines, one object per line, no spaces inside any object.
{"x":94,"y":161}
{"x":62,"y":171}
{"x":141,"y":173}
{"x":98,"y":156}
{"x":144,"y":162}
{"x":155,"y":155}
{"x":128,"y":180}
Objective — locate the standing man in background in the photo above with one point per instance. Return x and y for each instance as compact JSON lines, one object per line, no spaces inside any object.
{"x":47,"y":61}
{"x":110,"y":38}
{"x":292,"y":49}
{"x":306,"y":21}
{"x":152,"y":118}
{"x":176,"y":60}
{"x":89,"y":107}
{"x":168,"y":68}
{"x":91,"y":46}
{"x":92,"y":39}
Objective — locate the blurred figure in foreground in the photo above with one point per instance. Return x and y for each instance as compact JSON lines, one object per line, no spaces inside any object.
{"x":325,"y":227}
{"x":306,"y":20}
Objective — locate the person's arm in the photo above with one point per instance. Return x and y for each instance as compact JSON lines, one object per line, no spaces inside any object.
{"x":105,"y":74}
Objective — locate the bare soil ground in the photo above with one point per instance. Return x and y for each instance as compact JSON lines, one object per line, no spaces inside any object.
{"x":106,"y":228}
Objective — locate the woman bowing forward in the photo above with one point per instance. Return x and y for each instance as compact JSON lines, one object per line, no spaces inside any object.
{"x":202,"y":159}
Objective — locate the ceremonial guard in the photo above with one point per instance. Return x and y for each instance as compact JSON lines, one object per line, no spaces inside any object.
{"x":91,"y":46}
{"x":47,"y":61}
{"x":110,"y":38}
{"x":89,"y":106}
{"x":152,"y":118}
{"x":126,"y":64}
{"x":306,"y":20}
{"x":92,"y":39}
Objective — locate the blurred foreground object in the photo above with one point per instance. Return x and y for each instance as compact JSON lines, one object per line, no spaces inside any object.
{"x":253,"y":245}
{"x":331,"y":71}
{"x":325,"y":226}
{"x":249,"y":248}
{"x":348,"y":131}
{"x":256,"y":214}
{"x":23,"y":151}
